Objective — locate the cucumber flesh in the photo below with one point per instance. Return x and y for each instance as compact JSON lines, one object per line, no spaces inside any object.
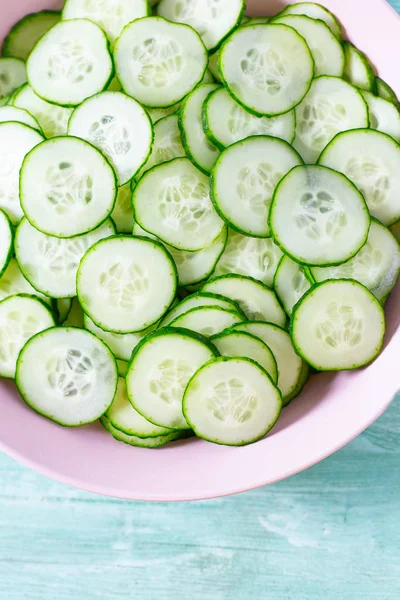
{"x":254,"y":257}
{"x":75,"y":315}
{"x":124,"y":417}
{"x":119,"y":127}
{"x":136,"y":276}
{"x":200,"y":299}
{"x":231,"y":401}
{"x":384,"y":91}
{"x":212,"y":20}
{"x":159,"y":372}
{"x":122,"y":213}
{"x":265,"y":82}
{"x":120,"y":344}
{"x":383,"y":115}
{"x":16,"y":141}
{"x":70,"y":63}
{"x":244,"y":179}
{"x":12,"y":75}
{"x":19,"y":115}
{"x":159,"y":62}
{"x":53,"y":119}
{"x":64,"y":306}
{"x":257,"y":301}
{"x":21,"y":317}
{"x":172,"y":201}
{"x":289,"y":363}
{"x":13,"y":282}
{"x":207,"y":320}
{"x":198,"y":147}
{"x":193,"y":267}
{"x":167,"y":143}
{"x":326,"y":49}
{"x":67,"y":187}
{"x":371,"y":160}
{"x":50,"y":264}
{"x":67,"y":375}
{"x":331,"y":106}
{"x":338,"y":325}
{"x":290,"y":283}
{"x":318,"y":217}
{"x":314,"y":11}
{"x":111,"y":15}
{"x":239,"y":344}
{"x":358,"y":70}
{"x":133,"y":440}
{"x":239,"y":124}
{"x":376,"y":265}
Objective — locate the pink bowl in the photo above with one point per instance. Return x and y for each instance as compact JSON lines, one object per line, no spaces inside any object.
{"x":332,"y":410}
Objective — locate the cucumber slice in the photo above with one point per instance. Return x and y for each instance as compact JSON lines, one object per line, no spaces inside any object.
{"x":256,"y":20}
{"x":207,"y":320}
{"x":18,"y":115}
{"x":244,"y":179}
{"x":239,"y":344}
{"x":136,"y":277}
{"x":198,"y":147}
{"x":255,"y":257}
{"x":290,"y":365}
{"x":119,"y":127}
{"x":193,"y":267}
{"x":212,"y":20}
{"x":122,"y":213}
{"x":133,"y":440}
{"x":12,"y":282}
{"x":16,"y":141}
{"x":383,"y":115}
{"x":239,"y":124}
{"x":198,"y":300}
{"x":21,"y":317}
{"x":318,"y":216}
{"x":371,"y":160}
{"x":75,"y":315}
{"x":111,"y":15}
{"x":50,"y":264}
{"x":267,"y":82}
{"x":120,"y":344}
{"x":331,"y":106}
{"x":358,"y":70}
{"x":290,"y":283}
{"x":376,"y":265}
{"x":213,"y":65}
{"x":326,"y":49}
{"x":5,"y":100}
{"x":338,"y":325}
{"x":314,"y":11}
{"x":70,"y":63}
{"x":167,"y":143}
{"x":231,"y":401}
{"x":160,"y":369}
{"x":67,"y":187}
{"x":124,"y":417}
{"x":159,"y":62}
{"x":160,"y":113}
{"x":257,"y":301}
{"x":64,"y":306}
{"x":67,"y":375}
{"x":384,"y":91}
{"x":172,"y":201}
{"x":53,"y":120}
{"x":6,"y":242}
{"x":12,"y":75}
{"x":24,"y":35}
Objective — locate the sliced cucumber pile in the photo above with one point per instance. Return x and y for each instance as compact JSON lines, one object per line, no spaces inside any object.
{"x":197,"y":209}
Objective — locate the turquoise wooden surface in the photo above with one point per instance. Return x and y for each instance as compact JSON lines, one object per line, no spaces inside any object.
{"x":331,"y":533}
